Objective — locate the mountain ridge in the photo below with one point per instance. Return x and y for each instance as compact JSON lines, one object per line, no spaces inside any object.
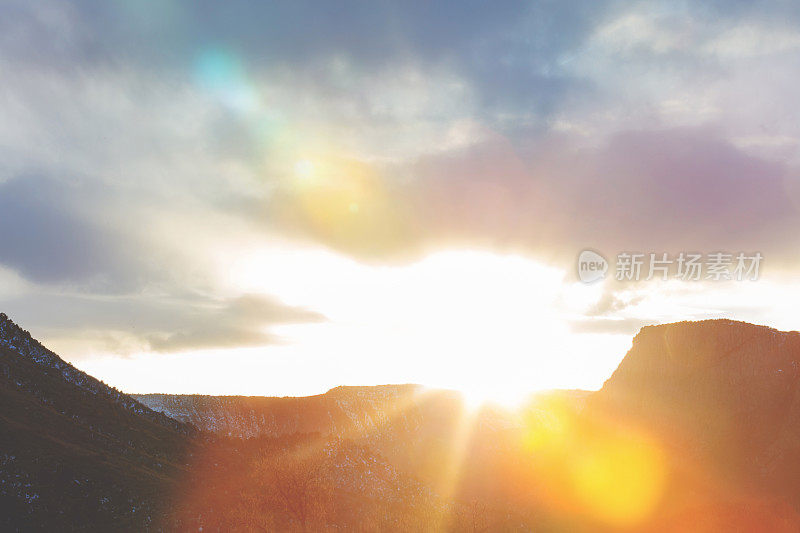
{"x":21,"y":342}
{"x":74,"y":451}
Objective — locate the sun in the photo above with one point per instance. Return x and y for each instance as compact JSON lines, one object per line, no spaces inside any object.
{"x":487,"y":395}
{"x":496,"y":327}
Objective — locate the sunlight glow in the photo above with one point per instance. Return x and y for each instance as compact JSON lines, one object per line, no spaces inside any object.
{"x":496,"y":327}
{"x":493,"y":326}
{"x":476,"y":396}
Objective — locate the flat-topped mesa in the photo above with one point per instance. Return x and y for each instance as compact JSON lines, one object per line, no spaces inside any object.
{"x":389,"y":391}
{"x":726,"y":387}
{"x":724,"y":351}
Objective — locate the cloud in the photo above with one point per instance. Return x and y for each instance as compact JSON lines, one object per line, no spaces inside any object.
{"x":613,"y":326}
{"x":239,"y":322}
{"x":612,"y":302}
{"x":141,"y":141}
{"x":162,"y":323}
{"x":663,"y":190}
{"x":47,"y":240}
{"x":510,"y":52}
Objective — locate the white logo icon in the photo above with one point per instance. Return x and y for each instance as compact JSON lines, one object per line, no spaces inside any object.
{"x":591,"y":266}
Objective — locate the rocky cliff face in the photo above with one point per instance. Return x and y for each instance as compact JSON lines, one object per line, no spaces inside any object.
{"x":725,"y":391}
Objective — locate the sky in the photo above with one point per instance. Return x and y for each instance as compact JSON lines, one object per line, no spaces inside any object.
{"x":278,"y":198}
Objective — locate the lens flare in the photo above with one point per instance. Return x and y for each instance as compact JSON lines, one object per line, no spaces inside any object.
{"x":341,"y":200}
{"x":222,"y":75}
{"x":612,"y":473}
{"x":619,"y":478}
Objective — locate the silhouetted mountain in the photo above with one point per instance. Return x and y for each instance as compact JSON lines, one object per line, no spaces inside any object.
{"x":75,"y":452}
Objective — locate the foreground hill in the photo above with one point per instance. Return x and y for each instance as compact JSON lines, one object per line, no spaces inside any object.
{"x":74,"y":450}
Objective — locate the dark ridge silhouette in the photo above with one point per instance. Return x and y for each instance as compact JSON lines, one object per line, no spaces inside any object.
{"x":74,"y":451}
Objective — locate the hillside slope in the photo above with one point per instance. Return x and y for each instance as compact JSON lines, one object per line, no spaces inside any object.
{"x":75,"y":452}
